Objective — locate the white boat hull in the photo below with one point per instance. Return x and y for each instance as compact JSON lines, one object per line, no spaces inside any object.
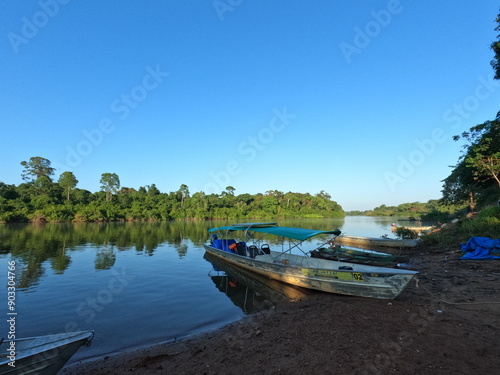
{"x":375,"y":242}
{"x":42,"y":355}
{"x":324,"y":275}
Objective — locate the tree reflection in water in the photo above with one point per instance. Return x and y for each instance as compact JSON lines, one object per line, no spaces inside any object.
{"x":34,"y":246}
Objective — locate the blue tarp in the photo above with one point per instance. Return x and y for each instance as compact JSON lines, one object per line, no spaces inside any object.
{"x":481,"y":248}
{"x":223,"y":244}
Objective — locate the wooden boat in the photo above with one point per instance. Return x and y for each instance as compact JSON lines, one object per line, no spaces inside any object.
{"x":373,"y":258}
{"x":415,"y":229}
{"x":302,"y":270}
{"x":367,"y":242}
{"x":41,"y":355}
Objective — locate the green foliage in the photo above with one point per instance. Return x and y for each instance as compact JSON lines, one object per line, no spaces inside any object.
{"x":433,"y":210}
{"x":110,"y":183}
{"x":45,"y":201}
{"x":495,"y":46}
{"x":482,"y":151}
{"x":405,"y":233}
{"x":478,"y":168}
{"x":35,"y":168}
{"x":67,"y":181}
{"x":486,"y":224}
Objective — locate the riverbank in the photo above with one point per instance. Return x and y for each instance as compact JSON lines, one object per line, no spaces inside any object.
{"x":447,"y":321}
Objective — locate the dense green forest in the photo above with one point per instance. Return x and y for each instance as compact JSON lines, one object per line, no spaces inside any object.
{"x":433,"y":210}
{"x":473,"y":183}
{"x":40,"y":199}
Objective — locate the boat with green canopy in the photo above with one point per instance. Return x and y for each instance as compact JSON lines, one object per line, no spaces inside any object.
{"x":288,"y":260}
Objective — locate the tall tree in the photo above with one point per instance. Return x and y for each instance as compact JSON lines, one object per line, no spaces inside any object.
{"x":110,"y":183}
{"x":479,"y":164}
{"x":67,"y":181}
{"x":183,"y":192}
{"x":495,"y":46}
{"x":483,"y":150}
{"x":36,"y":167}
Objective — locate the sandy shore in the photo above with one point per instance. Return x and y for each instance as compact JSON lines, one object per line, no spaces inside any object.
{"x":446,"y":322}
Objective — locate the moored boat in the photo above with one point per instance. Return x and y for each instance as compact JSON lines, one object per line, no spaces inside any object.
{"x":41,"y":355}
{"x":367,"y":242}
{"x":302,"y":270}
{"x":373,"y":258}
{"x":415,"y":229}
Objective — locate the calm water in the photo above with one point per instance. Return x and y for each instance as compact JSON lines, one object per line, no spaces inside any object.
{"x":135,"y":283}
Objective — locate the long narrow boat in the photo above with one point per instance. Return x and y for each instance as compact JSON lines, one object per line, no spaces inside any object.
{"x":302,"y":270}
{"x":41,"y":355}
{"x":364,"y":242}
{"x":415,"y":229}
{"x":372,"y":258}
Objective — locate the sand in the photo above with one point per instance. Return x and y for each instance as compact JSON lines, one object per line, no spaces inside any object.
{"x":446,"y":322}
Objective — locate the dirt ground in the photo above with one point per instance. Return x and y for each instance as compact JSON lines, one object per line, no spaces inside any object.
{"x":445,"y":322}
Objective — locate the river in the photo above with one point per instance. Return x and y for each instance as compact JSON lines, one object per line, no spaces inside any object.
{"x":134,"y":284}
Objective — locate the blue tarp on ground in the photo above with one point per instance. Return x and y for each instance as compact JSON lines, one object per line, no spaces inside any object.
{"x":481,"y":248}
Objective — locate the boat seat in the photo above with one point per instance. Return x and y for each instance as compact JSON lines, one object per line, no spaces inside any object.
{"x":241,"y":248}
{"x":253,"y":251}
{"x":265,"y":249}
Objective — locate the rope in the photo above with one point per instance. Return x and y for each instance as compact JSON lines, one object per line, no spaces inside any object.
{"x":448,"y":302}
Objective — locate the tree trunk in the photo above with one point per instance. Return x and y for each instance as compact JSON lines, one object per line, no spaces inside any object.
{"x":472,"y":203}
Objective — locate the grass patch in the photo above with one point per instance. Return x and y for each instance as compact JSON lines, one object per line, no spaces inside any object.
{"x":486,"y":224}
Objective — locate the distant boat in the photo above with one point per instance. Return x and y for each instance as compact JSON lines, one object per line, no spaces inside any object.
{"x":415,"y":229}
{"x":41,"y":355}
{"x":301,"y":270}
{"x":356,"y":241}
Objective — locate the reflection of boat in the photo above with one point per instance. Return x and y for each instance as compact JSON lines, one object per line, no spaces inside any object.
{"x":372,"y":258}
{"x":237,"y":283}
{"x":43,"y":355}
{"x":301,"y":270}
{"x":375,"y":242}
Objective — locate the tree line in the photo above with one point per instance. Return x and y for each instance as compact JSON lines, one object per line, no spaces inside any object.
{"x":433,"y":210}
{"x":41,"y":199}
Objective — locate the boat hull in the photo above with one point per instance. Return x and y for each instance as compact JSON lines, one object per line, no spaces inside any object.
{"x":360,"y":256}
{"x":323,"y":275}
{"x":43,"y":355}
{"x":370,"y":242}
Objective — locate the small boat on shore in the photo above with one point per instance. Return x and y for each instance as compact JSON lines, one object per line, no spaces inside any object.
{"x":302,"y":270}
{"x":367,"y":242}
{"x":41,"y":355}
{"x":372,"y":258}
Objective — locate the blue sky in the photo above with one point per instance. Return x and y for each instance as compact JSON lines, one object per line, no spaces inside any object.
{"x":357,"y":98}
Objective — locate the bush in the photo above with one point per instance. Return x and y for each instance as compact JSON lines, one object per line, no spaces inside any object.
{"x":486,"y":224}
{"x":405,"y":233}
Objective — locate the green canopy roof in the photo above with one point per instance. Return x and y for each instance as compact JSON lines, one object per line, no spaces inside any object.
{"x":301,"y":234}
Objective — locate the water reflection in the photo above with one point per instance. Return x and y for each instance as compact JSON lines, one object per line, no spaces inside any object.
{"x":105,"y":258}
{"x":249,"y":291}
{"x":38,"y":247}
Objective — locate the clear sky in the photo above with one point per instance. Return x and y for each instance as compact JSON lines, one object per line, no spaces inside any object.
{"x":357,"y":98}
